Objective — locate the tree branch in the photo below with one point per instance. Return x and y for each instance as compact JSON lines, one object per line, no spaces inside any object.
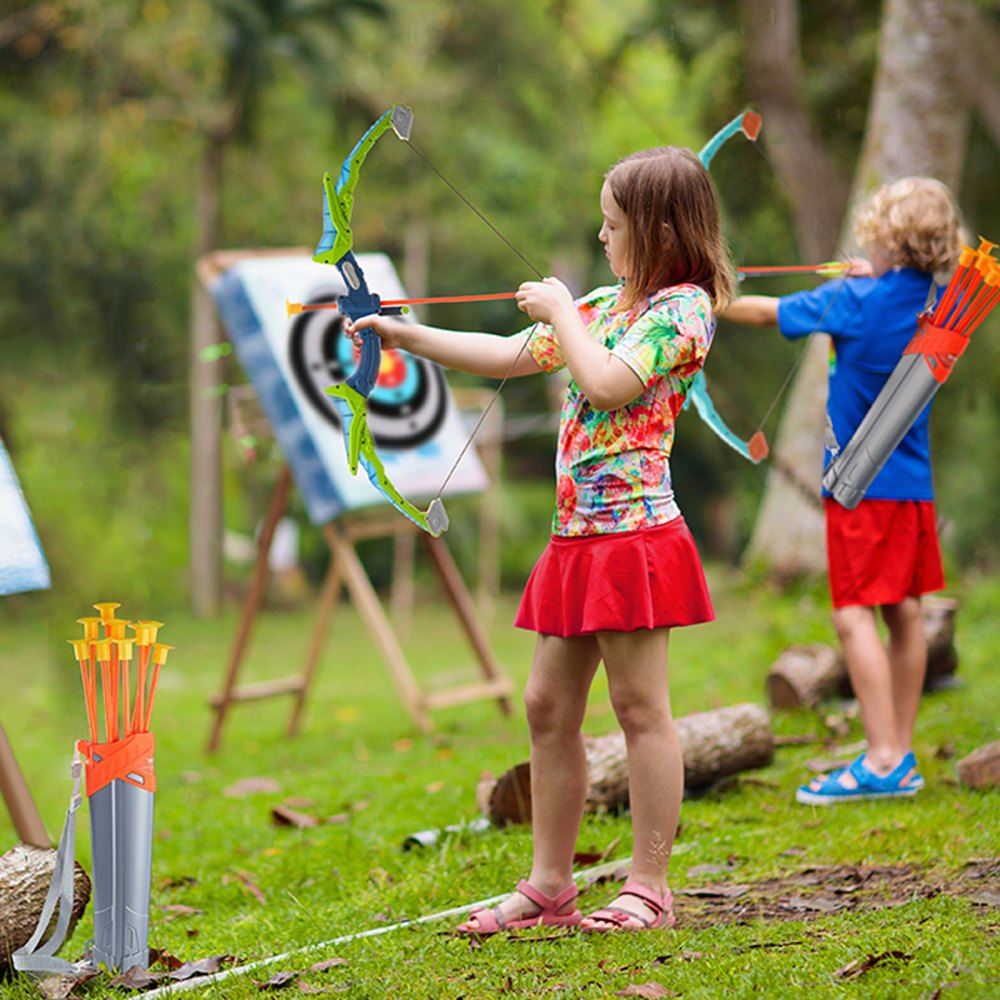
{"x":775,"y":80}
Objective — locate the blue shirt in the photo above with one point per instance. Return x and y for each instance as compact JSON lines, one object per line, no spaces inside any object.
{"x":871,"y":320}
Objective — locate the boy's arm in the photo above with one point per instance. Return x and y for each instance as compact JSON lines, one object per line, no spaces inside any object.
{"x":752,"y":310}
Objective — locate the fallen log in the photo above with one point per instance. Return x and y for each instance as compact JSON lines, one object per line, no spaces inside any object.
{"x":805,"y":675}
{"x":25,"y":875}
{"x":939,"y":629}
{"x":714,"y":745}
{"x":981,"y":768}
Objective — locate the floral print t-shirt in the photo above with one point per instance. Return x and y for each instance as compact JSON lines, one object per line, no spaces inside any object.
{"x":612,"y":466}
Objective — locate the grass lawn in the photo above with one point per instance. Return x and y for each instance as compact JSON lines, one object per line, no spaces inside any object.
{"x":896,"y":899}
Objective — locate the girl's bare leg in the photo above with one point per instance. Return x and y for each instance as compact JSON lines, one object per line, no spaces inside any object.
{"x":636,"y":663}
{"x":555,"y":700}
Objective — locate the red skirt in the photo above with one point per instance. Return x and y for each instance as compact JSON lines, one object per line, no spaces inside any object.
{"x":617,"y":582}
{"x":882,"y":551}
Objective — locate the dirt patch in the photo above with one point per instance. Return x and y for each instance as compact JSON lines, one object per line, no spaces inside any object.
{"x":823,"y":890}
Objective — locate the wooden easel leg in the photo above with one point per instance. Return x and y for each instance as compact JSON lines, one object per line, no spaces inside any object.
{"x":462,"y":602}
{"x":378,"y":624}
{"x":404,"y":549}
{"x":27,"y":821}
{"x":325,"y":610}
{"x":251,"y":605}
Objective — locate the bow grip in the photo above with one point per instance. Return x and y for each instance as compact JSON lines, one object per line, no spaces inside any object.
{"x":366,"y":374}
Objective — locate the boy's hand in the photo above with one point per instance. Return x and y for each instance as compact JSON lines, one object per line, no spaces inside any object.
{"x":858,"y":267}
{"x":544,"y":301}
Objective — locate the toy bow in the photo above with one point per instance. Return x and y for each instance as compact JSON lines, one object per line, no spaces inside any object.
{"x":755,"y":450}
{"x":351,"y":397}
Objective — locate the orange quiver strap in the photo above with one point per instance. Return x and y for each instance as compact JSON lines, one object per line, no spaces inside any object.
{"x":130,"y":760}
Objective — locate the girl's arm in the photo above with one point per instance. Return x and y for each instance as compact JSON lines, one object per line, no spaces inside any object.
{"x":483,"y":354}
{"x":606,"y":381}
{"x":752,"y":310}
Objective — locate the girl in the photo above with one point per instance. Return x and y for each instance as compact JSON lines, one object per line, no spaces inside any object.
{"x":621,"y":568}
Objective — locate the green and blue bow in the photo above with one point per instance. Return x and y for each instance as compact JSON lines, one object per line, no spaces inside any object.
{"x":351,"y":397}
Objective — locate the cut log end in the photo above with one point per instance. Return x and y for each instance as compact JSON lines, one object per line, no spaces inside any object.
{"x":782,"y":694}
{"x":25,"y":876}
{"x":510,"y":801}
{"x":805,"y":675}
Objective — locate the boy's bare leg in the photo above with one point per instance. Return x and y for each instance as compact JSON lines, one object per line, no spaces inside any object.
{"x":555,"y":700}
{"x":907,"y":664}
{"x":872,"y":680}
{"x":636,"y":663}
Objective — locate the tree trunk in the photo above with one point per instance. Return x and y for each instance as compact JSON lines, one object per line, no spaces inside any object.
{"x":917,"y":124}
{"x":918,"y":120}
{"x":788,"y":533}
{"x":980,"y":72}
{"x":713,"y":744}
{"x":205,"y":513}
{"x":25,"y":875}
{"x":805,"y":676}
{"x":776,"y":80}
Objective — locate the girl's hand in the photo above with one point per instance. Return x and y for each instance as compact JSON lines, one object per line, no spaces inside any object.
{"x":544,"y":300}
{"x":387,"y":328}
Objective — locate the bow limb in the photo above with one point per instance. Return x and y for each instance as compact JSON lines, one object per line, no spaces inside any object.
{"x":338,"y":206}
{"x":350,"y":398}
{"x":748,"y":123}
{"x":352,"y":408}
{"x":754,"y":450}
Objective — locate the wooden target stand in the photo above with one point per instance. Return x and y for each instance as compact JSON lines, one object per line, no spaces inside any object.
{"x":346,"y":571}
{"x":27,"y":821}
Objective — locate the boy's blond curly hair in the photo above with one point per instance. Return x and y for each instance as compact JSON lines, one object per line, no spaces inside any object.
{"x":915,"y":222}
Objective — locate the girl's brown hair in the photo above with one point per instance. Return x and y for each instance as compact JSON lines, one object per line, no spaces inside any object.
{"x":914,"y":222}
{"x":674,"y":236}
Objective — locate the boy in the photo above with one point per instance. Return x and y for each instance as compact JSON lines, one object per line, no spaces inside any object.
{"x":884,"y":553}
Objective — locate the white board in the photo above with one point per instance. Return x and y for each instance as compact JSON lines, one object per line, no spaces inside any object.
{"x":22,"y":561}
{"x":417,"y":428}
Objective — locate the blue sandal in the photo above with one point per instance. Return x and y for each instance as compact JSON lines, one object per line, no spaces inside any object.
{"x":869,"y":785}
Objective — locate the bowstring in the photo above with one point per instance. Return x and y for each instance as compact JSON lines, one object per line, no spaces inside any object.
{"x":839,"y":254}
{"x":517,"y":357}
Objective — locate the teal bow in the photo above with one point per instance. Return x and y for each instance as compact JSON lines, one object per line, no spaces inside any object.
{"x":754,"y":450}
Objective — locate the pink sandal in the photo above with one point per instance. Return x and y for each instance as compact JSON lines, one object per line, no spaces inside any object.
{"x":491,"y":921}
{"x":614,"y":918}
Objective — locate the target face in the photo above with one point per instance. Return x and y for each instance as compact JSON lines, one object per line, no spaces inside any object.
{"x":409,"y":401}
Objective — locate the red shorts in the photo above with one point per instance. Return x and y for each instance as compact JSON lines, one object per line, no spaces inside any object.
{"x":617,"y":582}
{"x":882,"y":552}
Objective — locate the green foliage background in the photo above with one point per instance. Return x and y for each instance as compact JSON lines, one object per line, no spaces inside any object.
{"x":106,"y":107}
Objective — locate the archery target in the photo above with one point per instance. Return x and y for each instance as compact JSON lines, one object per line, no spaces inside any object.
{"x":409,"y":401}
{"x":419,"y":433}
